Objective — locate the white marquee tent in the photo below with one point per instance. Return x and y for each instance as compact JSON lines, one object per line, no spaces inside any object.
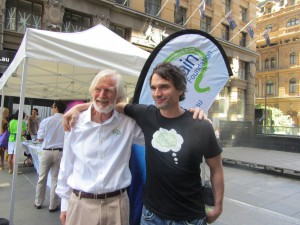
{"x":52,"y":65}
{"x":62,"y":65}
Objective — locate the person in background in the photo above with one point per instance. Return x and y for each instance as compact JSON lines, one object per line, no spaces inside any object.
{"x":33,"y":124}
{"x":217,"y":133}
{"x":13,"y":128}
{"x":4,"y":136}
{"x":51,"y":134}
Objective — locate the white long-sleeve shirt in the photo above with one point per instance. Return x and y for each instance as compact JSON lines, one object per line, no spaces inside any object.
{"x":52,"y":131}
{"x":96,"y":156}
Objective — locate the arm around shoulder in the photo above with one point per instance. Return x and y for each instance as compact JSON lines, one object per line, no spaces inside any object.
{"x":72,"y":115}
{"x":120,"y":107}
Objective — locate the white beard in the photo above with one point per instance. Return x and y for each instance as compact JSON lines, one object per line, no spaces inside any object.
{"x":105,"y":110}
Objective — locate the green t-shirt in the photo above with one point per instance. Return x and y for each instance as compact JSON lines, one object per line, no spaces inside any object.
{"x":13,"y":128}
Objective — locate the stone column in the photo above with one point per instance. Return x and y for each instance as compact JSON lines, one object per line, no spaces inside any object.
{"x":2,"y":22}
{"x":250,"y":94}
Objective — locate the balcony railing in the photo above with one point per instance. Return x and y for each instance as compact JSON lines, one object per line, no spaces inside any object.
{"x":278,"y":130}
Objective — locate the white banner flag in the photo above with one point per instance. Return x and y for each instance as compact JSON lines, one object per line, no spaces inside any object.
{"x":202,"y":59}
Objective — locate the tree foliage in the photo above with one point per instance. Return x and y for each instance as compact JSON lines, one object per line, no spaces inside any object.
{"x":277,"y":116}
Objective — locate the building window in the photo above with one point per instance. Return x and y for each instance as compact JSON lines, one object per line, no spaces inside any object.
{"x":208,"y":2}
{"x":269,"y":10}
{"x":205,"y":24}
{"x":243,"y":37}
{"x":123,"y":2}
{"x":75,"y":21}
{"x":256,"y":91}
{"x":241,"y":104}
{"x":273,"y":62}
{"x":292,"y":2}
{"x":243,"y":14}
{"x":292,"y":58}
{"x":152,"y":7}
{"x":118,"y":30}
{"x":225,"y":32}
{"x":282,"y":2}
{"x":180,"y":15}
{"x":267,"y":64}
{"x":270,"y":87}
{"x":21,"y":14}
{"x":269,"y":27}
{"x":223,"y":101}
{"x":227,"y":6}
{"x":293,"y":85}
{"x":242,"y":70}
{"x":292,"y":22}
{"x":262,"y":9}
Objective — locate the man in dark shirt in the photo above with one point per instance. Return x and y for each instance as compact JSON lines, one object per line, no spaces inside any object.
{"x":175,"y":144}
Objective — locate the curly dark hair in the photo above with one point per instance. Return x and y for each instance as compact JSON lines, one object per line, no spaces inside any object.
{"x":173,"y":73}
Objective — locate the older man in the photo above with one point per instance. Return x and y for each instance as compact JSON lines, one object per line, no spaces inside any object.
{"x":94,"y":171}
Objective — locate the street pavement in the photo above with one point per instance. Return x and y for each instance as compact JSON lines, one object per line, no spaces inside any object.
{"x":277,"y":162}
{"x":262,"y":187}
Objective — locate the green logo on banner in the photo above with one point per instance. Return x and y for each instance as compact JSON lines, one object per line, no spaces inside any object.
{"x":194,"y":63}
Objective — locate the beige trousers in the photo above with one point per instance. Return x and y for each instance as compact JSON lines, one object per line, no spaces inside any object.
{"x":48,"y":160}
{"x":110,"y":211}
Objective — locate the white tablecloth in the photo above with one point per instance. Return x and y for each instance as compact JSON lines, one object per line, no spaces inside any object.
{"x":35,"y":149}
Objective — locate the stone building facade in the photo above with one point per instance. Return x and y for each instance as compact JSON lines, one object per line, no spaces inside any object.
{"x":277,"y":81}
{"x":145,"y":23}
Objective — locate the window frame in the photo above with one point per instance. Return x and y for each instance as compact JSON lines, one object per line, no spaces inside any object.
{"x":267,"y":64}
{"x":23,"y":17}
{"x":225,"y":32}
{"x":205,"y":24}
{"x":242,"y":70}
{"x":156,"y":4}
{"x":123,"y":1}
{"x":243,"y":14}
{"x":114,"y":28}
{"x":243,"y":39}
{"x":272,"y":63}
{"x":227,"y":6}
{"x":292,"y":22}
{"x":180,"y":14}
{"x":293,"y":58}
{"x":292,"y":86}
{"x":76,"y":27}
{"x":269,"y":27}
{"x":208,"y":2}
{"x":270,"y":87}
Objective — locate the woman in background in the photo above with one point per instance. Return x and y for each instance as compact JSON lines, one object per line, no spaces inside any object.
{"x":4,"y":136}
{"x":13,"y":128}
{"x":33,"y":124}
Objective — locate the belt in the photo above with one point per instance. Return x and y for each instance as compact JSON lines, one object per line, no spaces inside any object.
{"x":53,"y":149}
{"x":82,"y":194}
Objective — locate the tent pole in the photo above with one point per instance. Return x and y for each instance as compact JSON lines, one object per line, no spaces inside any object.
{"x":18,"y":142}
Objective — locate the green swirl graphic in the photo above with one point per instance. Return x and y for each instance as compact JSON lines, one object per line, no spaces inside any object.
{"x":193,"y":51}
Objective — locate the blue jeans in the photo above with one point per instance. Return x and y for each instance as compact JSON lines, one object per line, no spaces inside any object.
{"x":149,"y":218}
